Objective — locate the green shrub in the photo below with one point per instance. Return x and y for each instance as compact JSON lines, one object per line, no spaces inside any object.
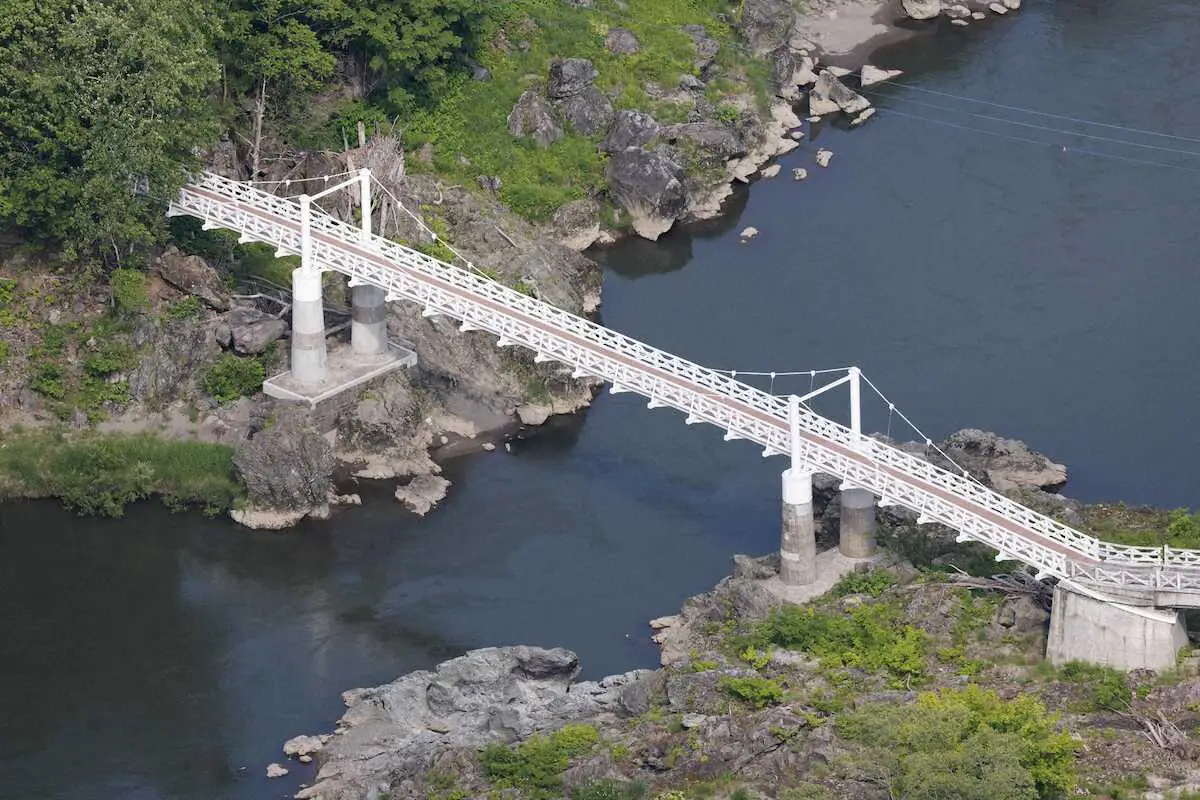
{"x":232,"y":377}
{"x":966,"y":744}
{"x":47,"y":380}
{"x":871,"y":636}
{"x":608,"y":789}
{"x":873,"y":582}
{"x":128,"y":290}
{"x":536,"y":765}
{"x":1108,"y":689}
{"x":185,"y":308}
{"x":753,"y":689}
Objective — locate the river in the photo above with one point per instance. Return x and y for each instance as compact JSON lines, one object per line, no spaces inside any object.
{"x":979,"y":280}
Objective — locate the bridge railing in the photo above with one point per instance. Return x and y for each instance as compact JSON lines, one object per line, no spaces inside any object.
{"x":705,"y":395}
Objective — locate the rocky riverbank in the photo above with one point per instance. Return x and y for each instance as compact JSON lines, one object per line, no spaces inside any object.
{"x":758,"y":697}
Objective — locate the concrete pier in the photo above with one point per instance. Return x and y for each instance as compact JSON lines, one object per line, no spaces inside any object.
{"x":1084,"y":628}
{"x":308,"y":328}
{"x":798,"y":541}
{"x":368,"y":321}
{"x":857,"y":533}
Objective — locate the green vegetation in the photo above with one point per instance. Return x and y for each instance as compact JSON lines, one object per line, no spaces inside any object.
{"x":1107,"y":689}
{"x":100,"y":474}
{"x":870,"y":636}
{"x":966,"y":744}
{"x":873,"y":582}
{"x":232,"y":377}
{"x":755,"y":690}
{"x":128,"y":291}
{"x":536,"y":765}
{"x":106,"y":357}
{"x":1145,"y":527}
{"x":609,"y":790}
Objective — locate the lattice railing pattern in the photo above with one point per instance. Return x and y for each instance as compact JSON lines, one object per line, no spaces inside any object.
{"x":938,"y":495}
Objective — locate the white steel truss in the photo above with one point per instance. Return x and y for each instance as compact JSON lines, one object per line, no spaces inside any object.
{"x":742,"y":411}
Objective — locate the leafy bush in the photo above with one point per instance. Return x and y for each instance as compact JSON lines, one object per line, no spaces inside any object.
{"x":609,"y":790}
{"x":873,"y":582}
{"x":966,"y":744}
{"x":1108,"y":688}
{"x":232,"y":377}
{"x":757,"y":691}
{"x":185,"y":308}
{"x":536,"y":765}
{"x":47,"y":380}
{"x":128,"y":290}
{"x":871,"y":636}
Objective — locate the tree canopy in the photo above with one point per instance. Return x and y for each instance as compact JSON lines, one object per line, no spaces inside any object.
{"x":104,"y":104}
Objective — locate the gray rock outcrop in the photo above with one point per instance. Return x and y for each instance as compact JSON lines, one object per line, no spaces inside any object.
{"x":621,"y":41}
{"x":766,"y":25}
{"x":650,"y":186}
{"x":829,"y":95}
{"x":714,"y":137}
{"x":390,"y":735}
{"x":194,"y":276}
{"x":286,"y":467}
{"x":534,"y":117}
{"x":922,"y":9}
{"x":1004,"y":464}
{"x":569,"y":77}
{"x":630,"y":129}
{"x":589,"y":112}
{"x":706,"y":46}
{"x":422,"y":493}
{"x":173,"y":355}
{"x":577,"y":224}
{"x":249,"y":331}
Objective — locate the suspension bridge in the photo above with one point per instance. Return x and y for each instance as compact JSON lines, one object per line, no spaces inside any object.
{"x":1114,"y":603}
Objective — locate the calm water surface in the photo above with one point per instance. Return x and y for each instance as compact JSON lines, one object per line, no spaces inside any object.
{"x":980,"y":281}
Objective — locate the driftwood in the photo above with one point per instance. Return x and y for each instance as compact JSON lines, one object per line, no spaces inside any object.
{"x":1165,"y":734}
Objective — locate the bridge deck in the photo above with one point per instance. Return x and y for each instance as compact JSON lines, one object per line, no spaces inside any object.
{"x":938,"y":495}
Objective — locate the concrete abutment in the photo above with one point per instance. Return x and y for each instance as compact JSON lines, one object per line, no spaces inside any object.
{"x":1085,"y":628}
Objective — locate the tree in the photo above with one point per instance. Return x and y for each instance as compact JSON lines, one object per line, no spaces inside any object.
{"x":102,"y":107}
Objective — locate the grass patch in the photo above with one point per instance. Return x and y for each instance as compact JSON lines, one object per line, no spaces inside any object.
{"x":1107,"y":689}
{"x":99,"y":474}
{"x":754,"y":690}
{"x":871,"y":637}
{"x":536,"y":765}
{"x":232,"y":377}
{"x":873,"y":582}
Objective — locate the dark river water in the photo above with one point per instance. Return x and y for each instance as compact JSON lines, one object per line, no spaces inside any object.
{"x":979,"y":273}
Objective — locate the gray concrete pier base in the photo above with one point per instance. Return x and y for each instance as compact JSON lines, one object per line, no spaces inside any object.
{"x":368,"y":320}
{"x":308,"y":328}
{"x":1083,"y":628}
{"x":798,"y":540}
{"x":857,"y":534}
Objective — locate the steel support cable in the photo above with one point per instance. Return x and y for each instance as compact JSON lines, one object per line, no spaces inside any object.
{"x":1047,"y":128}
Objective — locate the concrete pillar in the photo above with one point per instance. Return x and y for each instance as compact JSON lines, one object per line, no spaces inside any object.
{"x":857,"y":534}
{"x":308,"y":328}
{"x":798,"y":540}
{"x":1123,"y":637}
{"x":368,"y":321}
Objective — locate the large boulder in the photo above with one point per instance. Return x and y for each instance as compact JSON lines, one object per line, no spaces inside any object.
{"x":249,"y":331}
{"x":829,"y":95}
{"x":534,"y":117}
{"x":288,"y":466}
{"x":922,"y":9}
{"x":577,"y":224}
{"x":766,"y":25}
{"x":630,"y":129}
{"x":1004,"y":464}
{"x":589,"y":112}
{"x":713,"y":137}
{"x":622,"y":42}
{"x":569,"y":77}
{"x":650,"y":186}
{"x":706,"y":46}
{"x":194,"y":276}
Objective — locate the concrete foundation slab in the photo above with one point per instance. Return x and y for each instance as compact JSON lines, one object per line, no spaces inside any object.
{"x":1084,"y":628}
{"x":830,"y":566}
{"x":344,"y":370}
